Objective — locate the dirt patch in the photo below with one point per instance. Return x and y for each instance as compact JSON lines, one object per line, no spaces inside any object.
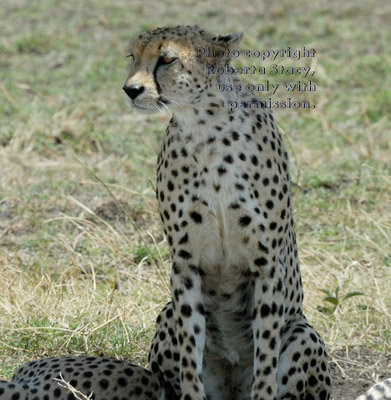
{"x":118,"y":211}
{"x":355,"y":370}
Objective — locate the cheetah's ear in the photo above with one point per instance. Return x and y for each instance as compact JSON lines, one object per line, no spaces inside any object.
{"x":231,"y":41}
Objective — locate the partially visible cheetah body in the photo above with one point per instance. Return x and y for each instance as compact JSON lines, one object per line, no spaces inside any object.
{"x":379,"y":391}
{"x":235,"y":328}
{"x":103,"y":378}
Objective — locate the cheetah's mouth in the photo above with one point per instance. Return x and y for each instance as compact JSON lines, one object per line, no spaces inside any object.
{"x":150,"y":107}
{"x":142,"y":107}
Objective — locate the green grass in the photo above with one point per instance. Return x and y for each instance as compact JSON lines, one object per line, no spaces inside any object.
{"x":77,"y":277}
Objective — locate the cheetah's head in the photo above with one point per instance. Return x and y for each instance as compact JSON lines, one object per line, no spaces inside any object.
{"x":169,"y":71}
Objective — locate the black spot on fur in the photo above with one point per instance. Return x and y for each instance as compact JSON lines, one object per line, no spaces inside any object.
{"x":244,"y":221}
{"x":196,"y":217}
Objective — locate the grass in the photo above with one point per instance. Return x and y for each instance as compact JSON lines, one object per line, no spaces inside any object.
{"x":77,"y":276}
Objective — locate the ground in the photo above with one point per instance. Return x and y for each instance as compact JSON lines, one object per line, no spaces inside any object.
{"x":83,"y":261}
{"x":353,"y":369}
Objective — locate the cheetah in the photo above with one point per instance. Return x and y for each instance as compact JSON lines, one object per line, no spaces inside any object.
{"x":379,"y":391}
{"x":102,"y":378}
{"x":234,"y":328}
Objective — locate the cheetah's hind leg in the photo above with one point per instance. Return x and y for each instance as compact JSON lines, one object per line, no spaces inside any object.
{"x":303,"y":372}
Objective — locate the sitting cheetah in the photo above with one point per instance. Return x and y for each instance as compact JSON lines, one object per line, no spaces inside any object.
{"x":235,"y":329}
{"x":105,"y":378}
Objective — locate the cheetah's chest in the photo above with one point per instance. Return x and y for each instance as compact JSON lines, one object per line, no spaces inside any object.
{"x":203,"y":186}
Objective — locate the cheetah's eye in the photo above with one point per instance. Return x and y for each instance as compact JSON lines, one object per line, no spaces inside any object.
{"x":164,"y":60}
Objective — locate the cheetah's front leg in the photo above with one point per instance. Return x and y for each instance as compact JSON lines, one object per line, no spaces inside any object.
{"x":268,"y":319}
{"x":189,"y":324}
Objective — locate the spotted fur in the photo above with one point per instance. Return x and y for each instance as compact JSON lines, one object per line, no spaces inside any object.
{"x":379,"y":391}
{"x":235,"y":328}
{"x":102,"y":378}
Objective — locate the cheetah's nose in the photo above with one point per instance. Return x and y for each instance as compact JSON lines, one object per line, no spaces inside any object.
{"x":133,"y":91}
